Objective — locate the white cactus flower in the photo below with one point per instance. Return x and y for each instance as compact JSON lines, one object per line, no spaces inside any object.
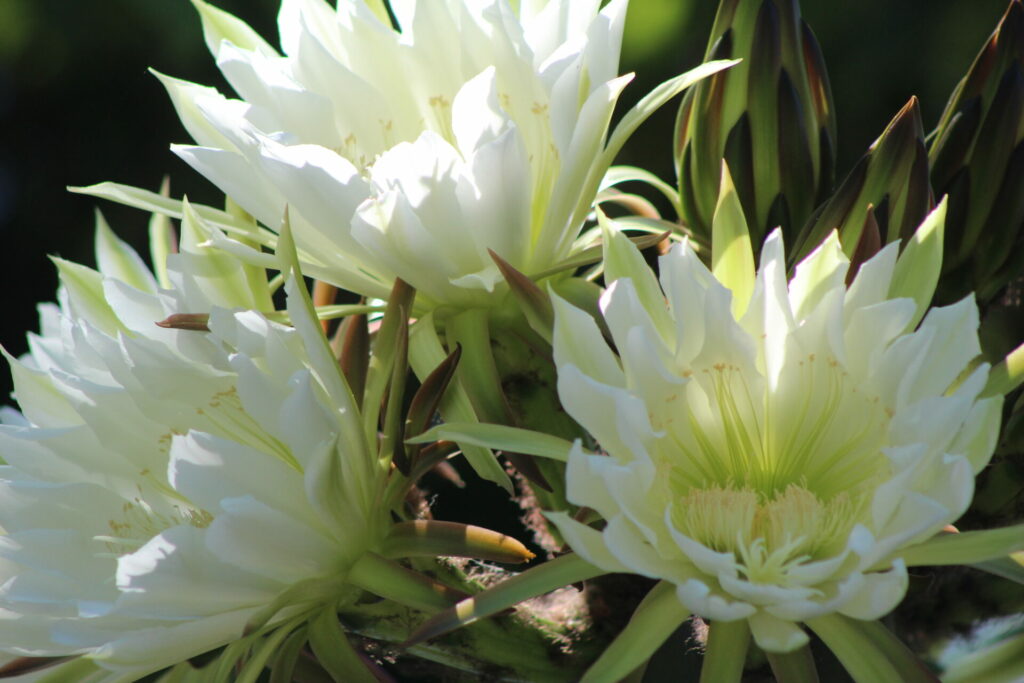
{"x":410,"y":153}
{"x":162,"y":486}
{"x":771,"y":457}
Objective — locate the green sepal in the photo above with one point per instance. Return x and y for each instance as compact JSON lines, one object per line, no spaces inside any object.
{"x":432,"y":538}
{"x":640,"y":112}
{"x":427,"y":400}
{"x":533,"y":301}
{"x":626,"y":174}
{"x":499,"y":437}
{"x":85,"y":289}
{"x":351,"y":345}
{"x":425,"y":354}
{"x":155,"y":203}
{"x":114,"y":258}
{"x":1010,"y":567}
{"x":261,"y":654}
{"x":389,"y":343}
{"x":282,"y":666}
{"x":162,"y":240}
{"x":594,"y":254}
{"x":390,"y":580}
{"x":219,"y":26}
{"x":869,"y":652}
{"x":1007,"y":375}
{"x":556,"y":573}
{"x":919,"y":265}
{"x":657,"y":616}
{"x":732,"y":257}
{"x":968,"y":547}
{"x":334,"y":652}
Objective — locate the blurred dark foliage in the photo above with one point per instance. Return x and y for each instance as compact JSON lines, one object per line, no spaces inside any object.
{"x":77,"y":105}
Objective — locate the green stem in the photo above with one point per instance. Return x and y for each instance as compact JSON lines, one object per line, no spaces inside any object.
{"x":726,"y":651}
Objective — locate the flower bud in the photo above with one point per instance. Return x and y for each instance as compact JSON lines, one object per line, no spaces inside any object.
{"x":891,"y":180}
{"x":977,"y":157}
{"x":769,"y":117}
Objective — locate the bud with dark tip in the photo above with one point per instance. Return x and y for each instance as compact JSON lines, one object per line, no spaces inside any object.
{"x":769,"y":117}
{"x":977,"y":157}
{"x":890,"y":182}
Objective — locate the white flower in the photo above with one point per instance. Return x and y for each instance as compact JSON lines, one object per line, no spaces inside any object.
{"x":771,"y":457}
{"x":411,"y":153}
{"x":163,"y":486}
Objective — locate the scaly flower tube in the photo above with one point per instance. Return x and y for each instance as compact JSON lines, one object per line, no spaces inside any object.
{"x":171,"y":491}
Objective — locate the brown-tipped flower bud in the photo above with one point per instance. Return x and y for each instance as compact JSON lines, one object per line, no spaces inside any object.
{"x":769,"y":117}
{"x":977,"y":157}
{"x":891,"y":180}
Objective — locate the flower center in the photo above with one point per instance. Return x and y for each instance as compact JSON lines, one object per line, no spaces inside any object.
{"x":777,"y":475}
{"x":768,"y":535}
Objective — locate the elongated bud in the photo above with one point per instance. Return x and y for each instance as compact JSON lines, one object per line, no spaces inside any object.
{"x":891,"y":180}
{"x":977,"y":157}
{"x":769,"y":117}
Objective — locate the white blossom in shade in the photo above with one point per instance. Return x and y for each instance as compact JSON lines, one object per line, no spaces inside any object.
{"x":771,"y":457}
{"x":409,"y":153}
{"x":161,"y":485}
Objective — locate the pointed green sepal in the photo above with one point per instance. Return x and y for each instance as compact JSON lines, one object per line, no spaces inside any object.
{"x":499,"y":437}
{"x":1007,"y":375}
{"x":732,"y":258}
{"x":334,"y":652}
{"x":533,"y":301}
{"x":351,"y":345}
{"x":390,"y":580}
{"x":219,"y":26}
{"x":427,"y":399}
{"x":556,"y":573}
{"x":869,"y":652}
{"x":425,"y":354}
{"x":968,"y":547}
{"x":917,"y":270}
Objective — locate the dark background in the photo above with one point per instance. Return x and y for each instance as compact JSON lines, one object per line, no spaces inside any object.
{"x":77,"y":105}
